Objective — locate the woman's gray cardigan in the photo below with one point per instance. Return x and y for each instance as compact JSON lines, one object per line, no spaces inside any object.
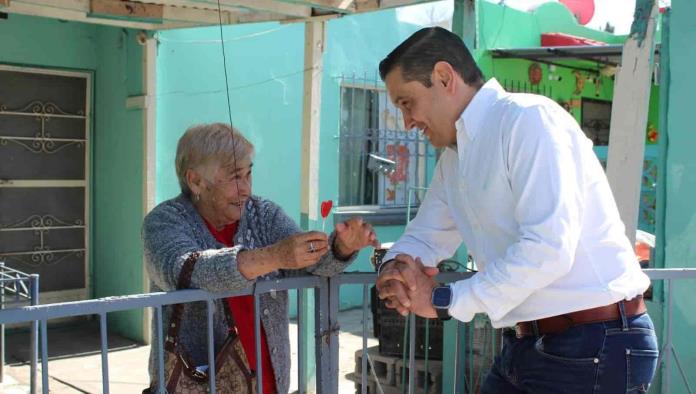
{"x":174,"y":229}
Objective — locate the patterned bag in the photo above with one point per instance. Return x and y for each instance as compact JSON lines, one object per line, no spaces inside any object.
{"x":232,"y":372}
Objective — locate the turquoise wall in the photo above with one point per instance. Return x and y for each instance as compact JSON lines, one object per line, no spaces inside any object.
{"x":680,"y":210}
{"x":265,"y":64}
{"x":113,"y":58}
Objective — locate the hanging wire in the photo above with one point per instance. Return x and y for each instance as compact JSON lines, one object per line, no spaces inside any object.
{"x":229,"y":105}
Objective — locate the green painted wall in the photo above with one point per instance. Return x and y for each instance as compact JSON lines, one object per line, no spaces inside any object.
{"x":680,"y":210}
{"x":113,"y":57}
{"x":117,"y":180}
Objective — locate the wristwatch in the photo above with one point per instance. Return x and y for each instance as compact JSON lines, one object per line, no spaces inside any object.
{"x":441,"y":299}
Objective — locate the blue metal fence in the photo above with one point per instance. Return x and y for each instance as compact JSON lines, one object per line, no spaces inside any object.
{"x":18,"y":288}
{"x":326,"y":291}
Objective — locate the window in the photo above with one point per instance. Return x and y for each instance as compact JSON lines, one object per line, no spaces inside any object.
{"x":380,"y":163}
{"x":596,"y":118}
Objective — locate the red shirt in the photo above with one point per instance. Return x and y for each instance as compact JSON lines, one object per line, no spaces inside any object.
{"x":242,"y":308}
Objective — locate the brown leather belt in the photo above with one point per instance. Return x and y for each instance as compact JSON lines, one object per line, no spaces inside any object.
{"x":560,"y":323}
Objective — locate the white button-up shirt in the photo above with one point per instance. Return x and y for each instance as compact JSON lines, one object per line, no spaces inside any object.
{"x":526,"y":194}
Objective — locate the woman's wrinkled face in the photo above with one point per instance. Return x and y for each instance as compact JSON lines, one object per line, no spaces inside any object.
{"x":224,"y":191}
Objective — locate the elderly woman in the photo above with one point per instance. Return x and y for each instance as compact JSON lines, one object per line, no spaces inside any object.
{"x":239,"y":239}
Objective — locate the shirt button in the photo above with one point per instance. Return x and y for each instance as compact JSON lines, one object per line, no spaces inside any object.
{"x":274,"y":350}
{"x":273,"y":294}
{"x":266,"y":312}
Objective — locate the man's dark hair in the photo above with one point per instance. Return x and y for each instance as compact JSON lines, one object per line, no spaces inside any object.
{"x":418,"y":54}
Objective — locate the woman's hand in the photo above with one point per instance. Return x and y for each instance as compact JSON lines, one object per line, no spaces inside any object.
{"x":353,"y":235}
{"x":300,"y":250}
{"x":294,"y":252}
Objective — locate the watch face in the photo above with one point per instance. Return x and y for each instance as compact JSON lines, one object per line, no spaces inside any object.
{"x":442,"y":297}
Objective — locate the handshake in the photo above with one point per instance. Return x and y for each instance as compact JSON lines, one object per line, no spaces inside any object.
{"x":406,"y":285}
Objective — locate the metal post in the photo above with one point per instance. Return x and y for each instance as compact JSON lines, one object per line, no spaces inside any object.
{"x":363,"y":366}
{"x":334,"y":299}
{"x":257,"y":341}
{"x":456,"y":358}
{"x":34,"y":335}
{"x":44,"y":356}
{"x":301,"y":346}
{"x":667,"y":348}
{"x":160,"y":349}
{"x":2,"y":326}
{"x":321,"y":348}
{"x":211,"y":346}
{"x":104,"y":353}
{"x":412,"y":354}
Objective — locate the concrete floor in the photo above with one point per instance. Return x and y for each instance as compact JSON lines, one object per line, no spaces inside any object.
{"x":75,"y":361}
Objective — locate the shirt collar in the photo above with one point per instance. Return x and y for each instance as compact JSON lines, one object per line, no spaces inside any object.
{"x":471,"y":120}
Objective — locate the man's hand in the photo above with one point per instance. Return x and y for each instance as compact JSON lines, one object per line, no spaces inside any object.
{"x":404,"y":282}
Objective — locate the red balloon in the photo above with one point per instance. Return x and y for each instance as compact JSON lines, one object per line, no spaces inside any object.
{"x":326,"y":208}
{"x":582,"y":9}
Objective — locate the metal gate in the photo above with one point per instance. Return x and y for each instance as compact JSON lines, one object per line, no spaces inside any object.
{"x":44,"y":177}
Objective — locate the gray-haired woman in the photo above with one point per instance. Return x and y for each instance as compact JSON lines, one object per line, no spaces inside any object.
{"x":240,"y":238}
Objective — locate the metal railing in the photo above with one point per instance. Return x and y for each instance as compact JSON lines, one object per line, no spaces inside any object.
{"x":18,"y":288}
{"x":326,"y":292}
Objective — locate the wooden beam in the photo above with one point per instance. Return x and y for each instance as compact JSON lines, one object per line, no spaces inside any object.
{"x":175,"y":13}
{"x":149,"y":87}
{"x":57,"y":11}
{"x":351,"y":6}
{"x":265,"y":6}
{"x":126,"y":9}
{"x":341,"y":6}
{"x":311,"y":109}
{"x":629,"y":116}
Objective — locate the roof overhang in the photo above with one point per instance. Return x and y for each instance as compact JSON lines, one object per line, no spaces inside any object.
{"x":169,"y":14}
{"x":607,"y":55}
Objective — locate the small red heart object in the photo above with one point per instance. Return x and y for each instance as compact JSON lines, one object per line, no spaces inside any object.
{"x":326,"y":208}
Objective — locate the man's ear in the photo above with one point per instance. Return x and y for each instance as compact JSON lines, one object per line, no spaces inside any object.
{"x":443,"y":75}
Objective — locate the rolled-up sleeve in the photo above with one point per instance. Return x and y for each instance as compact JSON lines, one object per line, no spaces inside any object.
{"x":432,"y":235}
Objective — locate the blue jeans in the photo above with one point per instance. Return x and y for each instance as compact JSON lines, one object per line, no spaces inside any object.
{"x":599,"y":358}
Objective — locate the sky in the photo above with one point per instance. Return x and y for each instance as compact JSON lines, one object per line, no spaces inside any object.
{"x":618,"y":13}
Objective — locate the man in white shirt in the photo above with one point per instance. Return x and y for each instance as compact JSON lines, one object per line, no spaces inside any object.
{"x":519,"y":184}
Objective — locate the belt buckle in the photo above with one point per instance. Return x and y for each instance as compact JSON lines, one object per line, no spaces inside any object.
{"x":518,"y":332}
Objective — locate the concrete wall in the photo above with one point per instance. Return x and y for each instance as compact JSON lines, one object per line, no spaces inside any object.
{"x":114,"y":59}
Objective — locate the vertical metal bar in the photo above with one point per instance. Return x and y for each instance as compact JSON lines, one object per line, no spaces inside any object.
{"x":455,"y":379}
{"x":104,"y":353}
{"x":667,"y":378}
{"x":44,"y":357}
{"x":34,"y":335}
{"x":2,"y":326}
{"x":301,"y":355}
{"x":321,"y":348}
{"x":334,"y":287}
{"x":363,"y":366}
{"x":469,"y":353}
{"x":211,"y":345}
{"x":412,"y":353}
{"x":160,"y":349}
{"x":257,"y":343}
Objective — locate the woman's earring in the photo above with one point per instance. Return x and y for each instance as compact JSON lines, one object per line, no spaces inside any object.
{"x":196,"y":197}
